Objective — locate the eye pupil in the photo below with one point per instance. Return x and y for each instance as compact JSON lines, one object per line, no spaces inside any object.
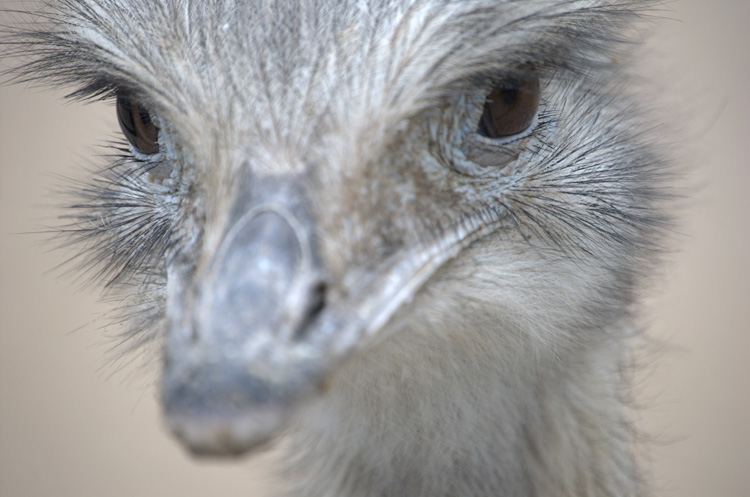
{"x":137,"y":126}
{"x":510,"y":108}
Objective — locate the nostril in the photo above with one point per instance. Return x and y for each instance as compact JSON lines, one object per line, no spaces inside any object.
{"x":315,"y":305}
{"x":317,"y":299}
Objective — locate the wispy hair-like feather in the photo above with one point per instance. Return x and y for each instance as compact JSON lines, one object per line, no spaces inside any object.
{"x":501,"y":373}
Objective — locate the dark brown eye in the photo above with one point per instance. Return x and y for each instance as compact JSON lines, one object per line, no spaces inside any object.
{"x":137,"y":126}
{"x":510,"y":108}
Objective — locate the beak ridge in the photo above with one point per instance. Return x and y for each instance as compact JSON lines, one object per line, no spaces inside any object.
{"x":237,"y":360}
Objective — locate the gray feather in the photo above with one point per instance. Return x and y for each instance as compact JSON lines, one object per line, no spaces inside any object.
{"x":495,"y":368}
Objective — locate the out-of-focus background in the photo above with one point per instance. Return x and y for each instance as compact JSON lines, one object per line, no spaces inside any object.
{"x":73,"y":424}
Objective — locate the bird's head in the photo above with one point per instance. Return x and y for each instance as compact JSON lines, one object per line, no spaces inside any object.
{"x":304,"y":180}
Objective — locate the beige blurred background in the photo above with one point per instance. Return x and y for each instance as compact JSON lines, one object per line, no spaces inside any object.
{"x":74,"y":424}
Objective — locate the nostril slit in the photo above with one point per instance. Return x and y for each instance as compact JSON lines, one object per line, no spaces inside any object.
{"x":316,"y":304}
{"x":317,"y":300}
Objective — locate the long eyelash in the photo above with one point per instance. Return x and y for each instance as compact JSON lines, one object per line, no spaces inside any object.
{"x":122,"y":231}
{"x":121,"y":224}
{"x":546,"y":119}
{"x":124,"y":227}
{"x":55,"y":57}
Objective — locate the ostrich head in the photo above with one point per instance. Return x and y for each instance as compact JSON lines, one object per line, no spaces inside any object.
{"x":407,"y":235}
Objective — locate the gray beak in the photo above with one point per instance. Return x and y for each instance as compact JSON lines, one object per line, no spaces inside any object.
{"x":240,"y":353}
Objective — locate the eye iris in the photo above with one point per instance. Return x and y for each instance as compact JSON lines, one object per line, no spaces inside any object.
{"x":510,"y":108}
{"x":137,"y":126}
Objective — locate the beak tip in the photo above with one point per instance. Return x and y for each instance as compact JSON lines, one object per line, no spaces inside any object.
{"x":226,"y":436}
{"x":219,"y":408}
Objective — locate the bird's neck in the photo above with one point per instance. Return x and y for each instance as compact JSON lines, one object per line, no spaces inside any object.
{"x":472,"y":415}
